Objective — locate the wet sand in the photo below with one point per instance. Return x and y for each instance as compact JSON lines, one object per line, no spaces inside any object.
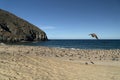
{"x":44,"y":63}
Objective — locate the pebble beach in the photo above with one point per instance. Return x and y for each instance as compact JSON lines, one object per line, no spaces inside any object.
{"x":45,"y":63}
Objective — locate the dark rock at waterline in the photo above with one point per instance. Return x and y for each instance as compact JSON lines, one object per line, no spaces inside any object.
{"x":15,"y":29}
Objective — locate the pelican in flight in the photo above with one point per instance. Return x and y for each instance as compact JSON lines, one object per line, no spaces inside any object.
{"x":94,"y":35}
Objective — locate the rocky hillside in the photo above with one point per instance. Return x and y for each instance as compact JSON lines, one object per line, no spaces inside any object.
{"x":15,"y":29}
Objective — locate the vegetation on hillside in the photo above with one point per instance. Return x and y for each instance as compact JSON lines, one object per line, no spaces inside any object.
{"x":15,"y":29}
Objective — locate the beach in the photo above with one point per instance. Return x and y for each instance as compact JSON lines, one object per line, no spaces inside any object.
{"x":45,"y":63}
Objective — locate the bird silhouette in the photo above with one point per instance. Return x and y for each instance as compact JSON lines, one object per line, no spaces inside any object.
{"x":94,"y":35}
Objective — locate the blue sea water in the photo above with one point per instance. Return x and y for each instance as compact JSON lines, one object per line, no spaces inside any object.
{"x":77,"y":43}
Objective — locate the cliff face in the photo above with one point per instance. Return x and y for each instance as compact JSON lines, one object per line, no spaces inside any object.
{"x":15,"y":29}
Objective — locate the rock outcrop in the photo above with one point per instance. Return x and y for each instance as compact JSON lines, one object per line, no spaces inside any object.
{"x":15,"y":29}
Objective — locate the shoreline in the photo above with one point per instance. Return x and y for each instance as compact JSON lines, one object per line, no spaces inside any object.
{"x":75,"y":44}
{"x":3,"y":44}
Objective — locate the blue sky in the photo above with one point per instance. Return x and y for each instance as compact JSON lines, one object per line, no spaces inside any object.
{"x":69,"y":19}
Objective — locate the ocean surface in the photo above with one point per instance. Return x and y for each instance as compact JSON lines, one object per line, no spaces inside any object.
{"x":77,"y":43}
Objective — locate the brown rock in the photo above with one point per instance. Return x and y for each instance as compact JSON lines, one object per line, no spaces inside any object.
{"x":15,"y":29}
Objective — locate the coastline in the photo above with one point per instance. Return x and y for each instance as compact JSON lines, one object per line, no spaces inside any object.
{"x":45,"y":63}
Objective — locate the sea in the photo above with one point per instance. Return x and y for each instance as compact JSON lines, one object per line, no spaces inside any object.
{"x":77,"y":43}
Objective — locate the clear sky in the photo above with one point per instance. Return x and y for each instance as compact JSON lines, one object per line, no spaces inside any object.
{"x":69,"y":19}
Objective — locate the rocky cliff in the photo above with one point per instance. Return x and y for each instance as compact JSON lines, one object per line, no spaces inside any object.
{"x":15,"y":29}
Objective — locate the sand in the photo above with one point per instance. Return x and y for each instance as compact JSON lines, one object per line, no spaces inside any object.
{"x":44,"y":63}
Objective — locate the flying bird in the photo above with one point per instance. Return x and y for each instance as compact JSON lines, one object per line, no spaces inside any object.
{"x":94,"y":35}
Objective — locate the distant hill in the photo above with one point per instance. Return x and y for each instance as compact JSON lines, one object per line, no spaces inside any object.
{"x":15,"y":29}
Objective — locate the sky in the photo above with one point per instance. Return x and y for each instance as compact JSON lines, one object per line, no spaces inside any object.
{"x":69,"y":19}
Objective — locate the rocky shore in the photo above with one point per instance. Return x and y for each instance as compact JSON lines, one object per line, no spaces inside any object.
{"x":44,"y":63}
